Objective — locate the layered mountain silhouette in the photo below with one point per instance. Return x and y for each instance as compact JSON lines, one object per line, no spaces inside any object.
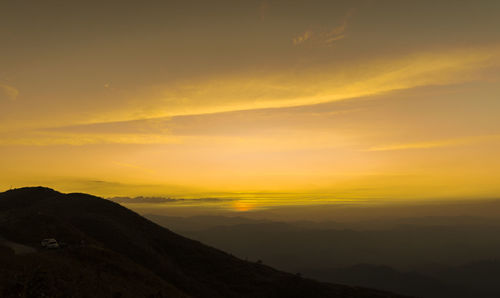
{"x":111,"y":251}
{"x":431,"y":256}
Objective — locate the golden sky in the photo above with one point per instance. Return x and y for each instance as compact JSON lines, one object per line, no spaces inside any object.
{"x":339,"y":100}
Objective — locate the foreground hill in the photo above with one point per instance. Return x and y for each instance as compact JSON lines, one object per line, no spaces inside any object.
{"x":113,"y":252}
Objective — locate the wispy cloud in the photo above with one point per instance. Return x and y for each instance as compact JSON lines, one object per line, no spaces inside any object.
{"x":305,"y":36}
{"x":325,"y":36}
{"x":436,"y":144}
{"x":275,"y":90}
{"x":328,"y":83}
{"x":8,"y":92}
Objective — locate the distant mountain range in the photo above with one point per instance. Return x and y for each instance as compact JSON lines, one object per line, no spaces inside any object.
{"x":110,"y":251}
{"x":433,"y":257}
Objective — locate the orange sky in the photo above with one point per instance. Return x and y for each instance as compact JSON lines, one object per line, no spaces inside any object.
{"x":339,"y":100}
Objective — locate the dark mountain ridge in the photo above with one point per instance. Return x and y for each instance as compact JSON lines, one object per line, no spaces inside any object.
{"x":111,"y":250}
{"x":424,"y":257}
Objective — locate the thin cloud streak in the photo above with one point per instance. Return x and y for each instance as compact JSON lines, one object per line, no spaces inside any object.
{"x":166,"y":200}
{"x":264,"y":8}
{"x":436,"y":144}
{"x":47,"y":138}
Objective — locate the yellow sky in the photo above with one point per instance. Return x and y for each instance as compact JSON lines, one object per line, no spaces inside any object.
{"x":352,"y":100}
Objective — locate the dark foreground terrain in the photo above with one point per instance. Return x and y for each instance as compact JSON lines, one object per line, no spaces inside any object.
{"x":111,"y":251}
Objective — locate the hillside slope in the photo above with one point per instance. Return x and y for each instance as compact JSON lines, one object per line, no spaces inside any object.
{"x":114,"y":251}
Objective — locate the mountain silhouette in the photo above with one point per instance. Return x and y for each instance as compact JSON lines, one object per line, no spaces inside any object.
{"x":111,"y":251}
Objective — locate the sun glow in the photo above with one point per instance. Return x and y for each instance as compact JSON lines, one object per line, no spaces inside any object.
{"x":242,"y":206}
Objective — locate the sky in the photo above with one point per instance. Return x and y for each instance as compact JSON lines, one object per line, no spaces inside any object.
{"x":277,"y":102}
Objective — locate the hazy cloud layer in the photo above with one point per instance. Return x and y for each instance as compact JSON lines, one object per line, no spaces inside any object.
{"x":162,"y":200}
